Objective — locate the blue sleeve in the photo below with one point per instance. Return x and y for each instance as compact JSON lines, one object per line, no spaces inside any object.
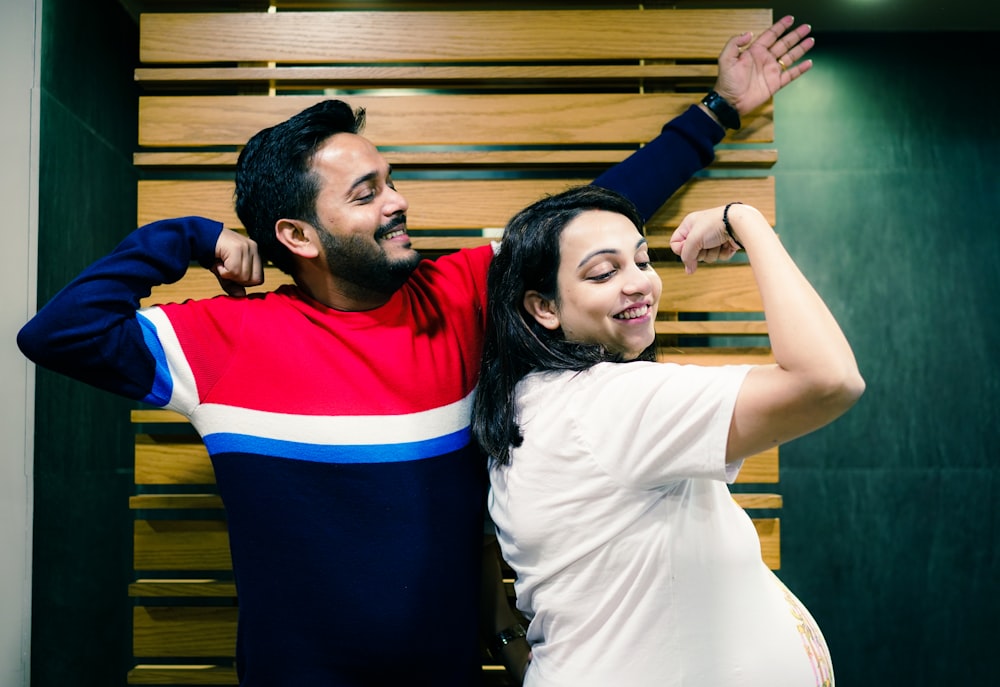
{"x":89,"y":330}
{"x":653,"y":173}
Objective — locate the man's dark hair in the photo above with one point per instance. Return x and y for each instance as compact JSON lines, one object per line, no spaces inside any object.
{"x":515,"y":343}
{"x":274,"y":176}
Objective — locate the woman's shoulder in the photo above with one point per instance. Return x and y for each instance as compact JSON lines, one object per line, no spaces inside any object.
{"x":607,"y":373}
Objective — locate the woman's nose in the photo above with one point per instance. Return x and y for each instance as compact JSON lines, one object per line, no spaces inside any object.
{"x":638,"y":281}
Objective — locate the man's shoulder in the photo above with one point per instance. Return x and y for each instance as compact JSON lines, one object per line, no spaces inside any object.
{"x":462,"y":261}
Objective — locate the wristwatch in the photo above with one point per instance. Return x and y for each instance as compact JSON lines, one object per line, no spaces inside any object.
{"x":720,"y":107}
{"x":505,"y":637}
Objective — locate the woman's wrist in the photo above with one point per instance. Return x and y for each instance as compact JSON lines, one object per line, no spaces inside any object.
{"x":728,"y":225}
{"x":742,"y":221}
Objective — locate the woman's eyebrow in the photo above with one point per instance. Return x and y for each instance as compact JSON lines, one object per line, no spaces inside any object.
{"x":609,"y":251}
{"x":599,"y":251}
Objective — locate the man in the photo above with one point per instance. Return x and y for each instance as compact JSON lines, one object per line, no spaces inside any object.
{"x":336,"y":411}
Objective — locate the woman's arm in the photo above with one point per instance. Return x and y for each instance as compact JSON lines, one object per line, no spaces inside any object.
{"x":815,"y":378}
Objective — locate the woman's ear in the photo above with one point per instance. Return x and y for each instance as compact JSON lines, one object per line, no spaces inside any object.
{"x":542,"y":309}
{"x":298,"y":237}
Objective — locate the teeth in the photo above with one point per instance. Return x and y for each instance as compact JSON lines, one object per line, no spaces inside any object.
{"x":633,"y":313}
{"x":393,"y":234}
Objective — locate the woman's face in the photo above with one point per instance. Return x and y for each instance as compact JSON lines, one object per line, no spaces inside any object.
{"x":608,"y":289}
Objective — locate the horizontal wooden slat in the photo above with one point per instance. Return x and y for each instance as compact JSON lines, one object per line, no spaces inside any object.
{"x":488,"y":75}
{"x":156,"y":415}
{"x":183,"y":631}
{"x":175,"y":502}
{"x":153,"y":674}
{"x":561,"y":119}
{"x":483,"y":203}
{"x":758,"y":500}
{"x":451,"y":36}
{"x":726,"y":158}
{"x":181,"y":545}
{"x":172,"y":459}
{"x":769,"y":531}
{"x":717,"y":288}
{"x":752,"y":355}
{"x":182,"y":588}
{"x":711,"y":328}
{"x":761,"y":468}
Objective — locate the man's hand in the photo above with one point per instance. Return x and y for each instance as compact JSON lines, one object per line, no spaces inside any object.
{"x":237,"y":263}
{"x":752,"y":70}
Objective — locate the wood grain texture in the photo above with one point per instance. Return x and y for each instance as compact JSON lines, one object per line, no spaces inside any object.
{"x":172,"y":459}
{"x":726,"y":158}
{"x":183,"y":631}
{"x":182,"y":588}
{"x":486,"y":76}
{"x":717,"y":288}
{"x":442,"y":36}
{"x":181,"y":545}
{"x":476,"y":203}
{"x":197,"y":674}
{"x":563,"y":119}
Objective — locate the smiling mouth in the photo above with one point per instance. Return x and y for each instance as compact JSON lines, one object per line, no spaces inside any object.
{"x":634,"y":313}
{"x":394,"y":230}
{"x":395,"y":233}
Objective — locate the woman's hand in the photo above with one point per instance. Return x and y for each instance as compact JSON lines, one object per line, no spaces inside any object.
{"x":702,"y":237}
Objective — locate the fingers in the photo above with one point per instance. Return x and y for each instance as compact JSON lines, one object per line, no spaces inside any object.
{"x":787,"y":53}
{"x":237,"y":263}
{"x":237,"y":259}
{"x":769,"y":37}
{"x":735,"y":45}
{"x":795,"y":72}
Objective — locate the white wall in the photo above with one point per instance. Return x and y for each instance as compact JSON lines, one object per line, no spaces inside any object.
{"x":20,"y":46}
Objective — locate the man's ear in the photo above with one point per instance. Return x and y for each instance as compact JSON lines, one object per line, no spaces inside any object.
{"x":542,"y":309}
{"x":298,"y":237}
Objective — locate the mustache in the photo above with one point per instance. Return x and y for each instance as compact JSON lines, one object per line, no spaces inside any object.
{"x":391,"y":225}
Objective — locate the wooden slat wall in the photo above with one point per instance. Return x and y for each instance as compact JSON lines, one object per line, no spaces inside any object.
{"x":493,"y":107}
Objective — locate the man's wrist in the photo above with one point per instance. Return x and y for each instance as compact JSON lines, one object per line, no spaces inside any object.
{"x":727,"y":115}
{"x":508,"y":635}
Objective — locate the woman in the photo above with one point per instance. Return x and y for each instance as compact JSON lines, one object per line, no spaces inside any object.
{"x":634,"y":565}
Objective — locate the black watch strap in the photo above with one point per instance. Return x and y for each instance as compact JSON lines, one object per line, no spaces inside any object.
{"x":727,"y":114}
{"x":505,"y":637}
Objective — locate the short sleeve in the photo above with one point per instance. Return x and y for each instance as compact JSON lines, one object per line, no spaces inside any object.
{"x":648,"y":424}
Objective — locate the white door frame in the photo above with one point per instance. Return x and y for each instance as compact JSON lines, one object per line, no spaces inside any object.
{"x":20,"y":48}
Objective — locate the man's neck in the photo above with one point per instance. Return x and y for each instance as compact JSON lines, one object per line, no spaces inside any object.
{"x":338,"y":294}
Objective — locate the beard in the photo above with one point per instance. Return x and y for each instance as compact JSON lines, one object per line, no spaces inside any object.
{"x":362,"y":262}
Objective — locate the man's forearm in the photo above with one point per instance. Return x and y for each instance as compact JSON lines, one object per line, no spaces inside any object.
{"x":649,"y":176}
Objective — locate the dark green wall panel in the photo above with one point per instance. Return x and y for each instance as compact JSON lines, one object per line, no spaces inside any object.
{"x":888,"y":185}
{"x":81,"y":615}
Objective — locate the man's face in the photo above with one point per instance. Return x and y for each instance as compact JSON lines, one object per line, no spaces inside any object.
{"x":362,"y":218}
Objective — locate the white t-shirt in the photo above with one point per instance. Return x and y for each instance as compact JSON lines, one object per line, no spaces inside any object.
{"x":634,"y":565}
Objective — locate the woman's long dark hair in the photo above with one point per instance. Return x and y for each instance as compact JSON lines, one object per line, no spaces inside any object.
{"x":515,"y":343}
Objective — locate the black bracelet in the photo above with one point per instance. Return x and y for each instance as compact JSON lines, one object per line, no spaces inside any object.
{"x":728,"y":116}
{"x":729,"y":228}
